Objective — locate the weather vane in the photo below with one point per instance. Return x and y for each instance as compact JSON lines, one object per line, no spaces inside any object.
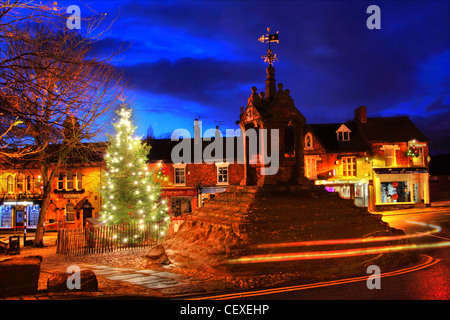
{"x":270,"y":57}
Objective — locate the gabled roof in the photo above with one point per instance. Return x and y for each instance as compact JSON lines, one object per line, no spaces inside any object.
{"x":389,"y":129}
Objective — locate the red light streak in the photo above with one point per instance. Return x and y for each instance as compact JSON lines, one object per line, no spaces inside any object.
{"x":350,"y":241}
{"x":340,"y":253}
{"x":333,"y":253}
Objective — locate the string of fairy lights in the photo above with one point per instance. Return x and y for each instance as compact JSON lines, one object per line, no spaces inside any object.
{"x":131,"y":192}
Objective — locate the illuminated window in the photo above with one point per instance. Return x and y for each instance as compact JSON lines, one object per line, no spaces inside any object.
{"x":389,"y":155}
{"x":311,"y":167}
{"x":79,"y":181}
{"x":60,"y":185}
{"x":20,"y":183}
{"x":70,"y":212}
{"x":69,"y":180}
{"x":10,"y":184}
{"x":349,"y":167}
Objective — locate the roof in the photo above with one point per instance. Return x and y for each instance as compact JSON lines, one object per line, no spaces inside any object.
{"x":161,"y":149}
{"x":391,"y":129}
{"x":326,"y":134}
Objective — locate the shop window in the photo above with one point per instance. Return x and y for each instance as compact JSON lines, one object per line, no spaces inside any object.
{"x":5,"y":216}
{"x":10,"y":184}
{"x":395,"y":191}
{"x":79,"y":181}
{"x":70,"y":212}
{"x":222,"y":173}
{"x":20,"y":183}
{"x":69,"y":180}
{"x":349,"y":166}
{"x":180,"y":205}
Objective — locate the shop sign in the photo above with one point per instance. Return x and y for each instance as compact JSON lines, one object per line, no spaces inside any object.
{"x":70,"y":196}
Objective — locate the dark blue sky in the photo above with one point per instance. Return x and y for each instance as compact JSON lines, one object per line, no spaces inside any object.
{"x":200,"y":59}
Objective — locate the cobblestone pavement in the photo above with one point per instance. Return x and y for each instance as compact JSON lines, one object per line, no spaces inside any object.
{"x":119,"y":274}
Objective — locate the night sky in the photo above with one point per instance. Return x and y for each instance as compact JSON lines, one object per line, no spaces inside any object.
{"x":199,"y":59}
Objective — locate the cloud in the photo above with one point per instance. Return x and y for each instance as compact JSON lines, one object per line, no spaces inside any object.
{"x":206,"y":81}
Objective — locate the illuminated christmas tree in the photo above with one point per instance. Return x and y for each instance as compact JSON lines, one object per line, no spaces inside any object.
{"x":130,"y":191}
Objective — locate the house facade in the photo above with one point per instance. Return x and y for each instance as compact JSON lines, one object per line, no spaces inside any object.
{"x":381,"y":163}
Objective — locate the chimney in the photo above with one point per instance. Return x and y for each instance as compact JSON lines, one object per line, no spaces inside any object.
{"x":361,"y":114}
{"x":197,"y":131}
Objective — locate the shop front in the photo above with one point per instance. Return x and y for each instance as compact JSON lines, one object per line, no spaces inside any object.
{"x":180,"y":201}
{"x":357,"y":190}
{"x":19,"y":215}
{"x":401,"y":187}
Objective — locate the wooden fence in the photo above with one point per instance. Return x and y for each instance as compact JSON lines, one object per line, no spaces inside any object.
{"x":102,"y":239}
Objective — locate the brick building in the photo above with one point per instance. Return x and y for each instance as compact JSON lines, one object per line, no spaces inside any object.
{"x":381,"y":163}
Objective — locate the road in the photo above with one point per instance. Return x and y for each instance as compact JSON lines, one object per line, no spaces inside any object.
{"x":428,"y":280}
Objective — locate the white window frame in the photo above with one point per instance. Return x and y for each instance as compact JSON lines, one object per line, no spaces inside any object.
{"x":343,"y":133}
{"x":181,"y":166}
{"x":223,"y":165}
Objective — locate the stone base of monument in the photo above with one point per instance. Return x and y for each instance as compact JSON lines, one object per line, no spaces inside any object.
{"x":261,"y":230}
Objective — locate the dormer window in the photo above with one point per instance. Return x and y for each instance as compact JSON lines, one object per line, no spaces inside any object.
{"x":343,"y":133}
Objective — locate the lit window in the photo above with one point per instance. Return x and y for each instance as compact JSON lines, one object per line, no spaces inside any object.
{"x":311,"y":167}
{"x":70,"y":212}
{"x":69,"y":181}
{"x":20,"y":183}
{"x":60,"y":181}
{"x":10,"y":184}
{"x":389,"y":155}
{"x":79,"y":181}
{"x":349,"y":167}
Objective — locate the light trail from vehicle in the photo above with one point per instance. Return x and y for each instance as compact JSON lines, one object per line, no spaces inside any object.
{"x":328,"y":254}
{"x":333,"y":253}
{"x":434,"y":229}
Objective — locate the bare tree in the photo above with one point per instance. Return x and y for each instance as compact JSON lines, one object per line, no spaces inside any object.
{"x":53,"y":92}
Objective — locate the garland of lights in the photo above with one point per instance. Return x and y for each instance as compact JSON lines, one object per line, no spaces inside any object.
{"x":131,"y":192}
{"x":413,"y":152}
